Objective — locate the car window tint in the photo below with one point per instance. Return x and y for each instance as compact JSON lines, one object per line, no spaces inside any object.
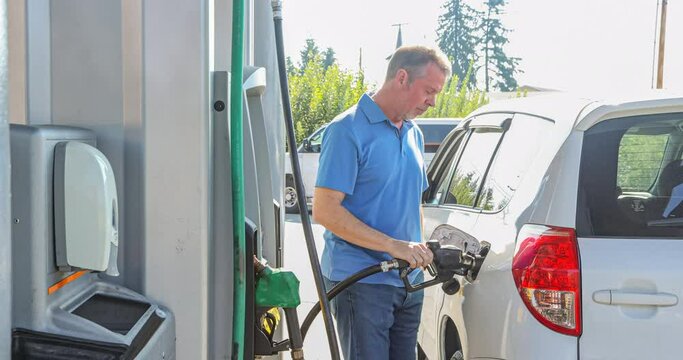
{"x":518,"y":148}
{"x":434,"y":134}
{"x":631,"y":179}
{"x":443,"y":183}
{"x":640,"y":159}
{"x":469,"y":171}
{"x":317,"y":138}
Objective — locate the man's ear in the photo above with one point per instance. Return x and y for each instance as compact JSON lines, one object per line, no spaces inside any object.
{"x":402,"y":76}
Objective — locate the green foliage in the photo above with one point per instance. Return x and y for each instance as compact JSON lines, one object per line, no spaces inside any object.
{"x":464,"y":188}
{"x":640,"y":158}
{"x":328,"y":58}
{"x":468,"y":36}
{"x":457,"y":99}
{"x":520,"y":94}
{"x":498,"y":67}
{"x":457,"y":35}
{"x":309,"y":52}
{"x":320,"y":90}
{"x":289,"y":65}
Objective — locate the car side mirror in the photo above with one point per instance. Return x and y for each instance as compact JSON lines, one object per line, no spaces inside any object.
{"x":306,"y":145}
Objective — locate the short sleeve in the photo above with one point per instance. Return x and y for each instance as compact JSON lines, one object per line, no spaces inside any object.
{"x":338,"y":166}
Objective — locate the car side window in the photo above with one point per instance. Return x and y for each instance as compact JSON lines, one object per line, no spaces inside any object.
{"x":640,"y":160}
{"x":516,"y":152}
{"x":443,"y":183}
{"x":631,"y":178}
{"x":470,"y":170}
{"x":434,"y":134}
{"x":439,"y":169}
{"x":316,"y":141}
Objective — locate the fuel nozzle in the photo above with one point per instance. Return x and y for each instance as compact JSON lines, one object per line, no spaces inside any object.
{"x":451,"y":286}
{"x":449,"y":261}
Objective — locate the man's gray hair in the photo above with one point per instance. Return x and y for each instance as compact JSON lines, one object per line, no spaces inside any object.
{"x":414,"y":60}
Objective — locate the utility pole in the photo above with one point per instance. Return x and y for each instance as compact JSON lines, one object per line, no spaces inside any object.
{"x":660,"y":55}
{"x":360,"y":59}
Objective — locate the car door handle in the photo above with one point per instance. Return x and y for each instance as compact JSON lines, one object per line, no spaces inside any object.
{"x":615,"y":297}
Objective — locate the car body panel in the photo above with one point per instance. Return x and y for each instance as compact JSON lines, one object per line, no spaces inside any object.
{"x":308,"y":162}
{"x":636,"y":266}
{"x":434,"y":296}
{"x":492,"y":320}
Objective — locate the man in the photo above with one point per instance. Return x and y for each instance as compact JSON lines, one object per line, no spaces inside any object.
{"x":368,"y":197}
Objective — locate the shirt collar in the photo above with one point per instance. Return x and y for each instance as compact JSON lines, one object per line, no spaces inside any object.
{"x":371,"y":109}
{"x":373,"y":112}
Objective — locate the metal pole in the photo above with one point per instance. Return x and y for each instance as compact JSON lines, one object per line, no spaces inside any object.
{"x":5,"y":238}
{"x":237,"y":172}
{"x":660,"y":56}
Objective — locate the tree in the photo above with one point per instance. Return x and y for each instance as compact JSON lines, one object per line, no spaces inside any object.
{"x":309,"y":52}
{"x":497,"y":66}
{"x":463,"y":188}
{"x":457,"y":99}
{"x":320,"y":90}
{"x":289,"y":65}
{"x":328,"y":58}
{"x":468,"y":36}
{"x":457,"y":35}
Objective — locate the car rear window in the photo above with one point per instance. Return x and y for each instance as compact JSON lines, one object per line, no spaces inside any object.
{"x":434,"y":134}
{"x":640,"y":159}
{"x":631,"y":178}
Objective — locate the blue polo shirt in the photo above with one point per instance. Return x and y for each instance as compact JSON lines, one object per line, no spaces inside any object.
{"x":381,"y":170}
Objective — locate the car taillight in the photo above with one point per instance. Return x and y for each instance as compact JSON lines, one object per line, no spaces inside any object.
{"x":548,"y":277}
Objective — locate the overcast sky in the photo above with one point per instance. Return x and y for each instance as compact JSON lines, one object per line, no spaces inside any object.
{"x":604,"y":45}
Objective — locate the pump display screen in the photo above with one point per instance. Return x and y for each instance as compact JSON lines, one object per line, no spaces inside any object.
{"x":113,"y":313}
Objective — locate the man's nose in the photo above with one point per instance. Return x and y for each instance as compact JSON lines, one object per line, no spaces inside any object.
{"x":431,"y":100}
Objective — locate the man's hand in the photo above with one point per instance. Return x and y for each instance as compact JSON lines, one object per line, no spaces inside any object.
{"x":417,"y":254}
{"x":328,"y":212}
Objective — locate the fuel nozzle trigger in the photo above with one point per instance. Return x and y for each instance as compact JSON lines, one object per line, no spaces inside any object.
{"x":448,"y":262}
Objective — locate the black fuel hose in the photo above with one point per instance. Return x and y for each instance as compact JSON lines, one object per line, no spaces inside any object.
{"x":370,"y":270}
{"x":298,"y":183}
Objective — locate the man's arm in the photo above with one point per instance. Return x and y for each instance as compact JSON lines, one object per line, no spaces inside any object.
{"x":329,"y":212}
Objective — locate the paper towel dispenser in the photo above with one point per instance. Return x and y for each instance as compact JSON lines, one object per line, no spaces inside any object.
{"x":85,"y":209}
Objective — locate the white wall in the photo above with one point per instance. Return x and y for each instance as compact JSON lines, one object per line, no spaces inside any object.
{"x":176,"y":137}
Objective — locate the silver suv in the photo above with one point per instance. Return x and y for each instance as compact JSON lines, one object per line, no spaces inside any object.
{"x":581,"y":201}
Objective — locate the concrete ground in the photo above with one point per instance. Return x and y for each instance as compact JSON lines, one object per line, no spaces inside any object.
{"x":296,"y":259}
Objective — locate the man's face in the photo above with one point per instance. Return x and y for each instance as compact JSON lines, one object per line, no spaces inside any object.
{"x":421,"y":93}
